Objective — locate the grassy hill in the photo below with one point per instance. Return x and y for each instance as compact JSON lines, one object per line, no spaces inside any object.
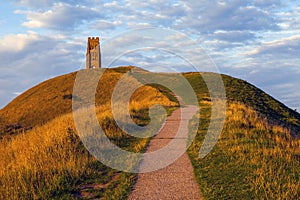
{"x":53,"y":98}
{"x":49,"y":161}
{"x":256,"y":157}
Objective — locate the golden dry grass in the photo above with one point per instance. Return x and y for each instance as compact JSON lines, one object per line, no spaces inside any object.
{"x":53,"y":98}
{"x":50,"y":161}
{"x":271,"y":151}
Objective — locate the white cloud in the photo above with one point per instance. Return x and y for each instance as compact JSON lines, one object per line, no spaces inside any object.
{"x":135,"y":25}
{"x":27,"y":59}
{"x":113,"y":4}
{"x":290,"y":19}
{"x":14,"y":43}
{"x":62,"y":17}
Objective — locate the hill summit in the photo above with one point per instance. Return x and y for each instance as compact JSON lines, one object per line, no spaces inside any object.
{"x":53,"y":98}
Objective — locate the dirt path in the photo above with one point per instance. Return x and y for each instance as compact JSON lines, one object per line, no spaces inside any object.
{"x":177,"y":180}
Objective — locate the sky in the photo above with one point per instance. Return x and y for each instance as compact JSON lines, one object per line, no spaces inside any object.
{"x":257,"y":41}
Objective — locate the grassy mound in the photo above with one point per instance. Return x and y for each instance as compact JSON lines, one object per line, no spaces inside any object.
{"x":50,"y":161}
{"x":53,"y":98}
{"x":256,"y":157}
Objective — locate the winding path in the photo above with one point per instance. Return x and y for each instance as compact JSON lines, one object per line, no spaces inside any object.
{"x":176,"y":181}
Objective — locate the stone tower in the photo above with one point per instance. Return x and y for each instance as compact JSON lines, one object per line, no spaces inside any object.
{"x":93,"y":54}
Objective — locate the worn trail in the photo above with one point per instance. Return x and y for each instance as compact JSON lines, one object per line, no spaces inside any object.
{"x":177,"y":180}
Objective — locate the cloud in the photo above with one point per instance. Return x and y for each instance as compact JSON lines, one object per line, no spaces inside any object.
{"x":268,"y":4}
{"x":289,"y":18}
{"x":42,"y":4}
{"x":209,"y":16}
{"x":106,"y":25}
{"x":273,"y":66}
{"x":280,"y":82}
{"x":135,"y":13}
{"x":27,"y":59}
{"x":13,"y":43}
{"x":236,"y":36}
{"x":34,"y":4}
{"x":136,"y":25}
{"x":61,"y":17}
{"x":113,"y":4}
{"x":281,"y":49}
{"x":155,"y":60}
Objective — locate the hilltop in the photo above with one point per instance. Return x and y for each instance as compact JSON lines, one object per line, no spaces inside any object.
{"x":53,"y":98}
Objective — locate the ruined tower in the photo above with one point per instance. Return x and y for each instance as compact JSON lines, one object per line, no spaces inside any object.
{"x":93,"y":54}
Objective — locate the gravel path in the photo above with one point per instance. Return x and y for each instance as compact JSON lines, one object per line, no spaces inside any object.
{"x":177,"y":180}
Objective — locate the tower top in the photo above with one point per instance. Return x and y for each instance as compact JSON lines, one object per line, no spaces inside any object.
{"x":93,"y":42}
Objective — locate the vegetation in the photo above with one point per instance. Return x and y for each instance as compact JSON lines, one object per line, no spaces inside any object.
{"x":252,"y":159}
{"x":53,"y":98}
{"x":257,"y":154}
{"x":256,"y":157}
{"x":50,"y":161}
{"x":239,"y":91}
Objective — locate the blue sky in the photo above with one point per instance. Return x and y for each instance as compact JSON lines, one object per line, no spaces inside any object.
{"x":257,"y":40}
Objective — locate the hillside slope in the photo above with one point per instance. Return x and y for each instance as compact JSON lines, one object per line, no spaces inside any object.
{"x":240,"y":91}
{"x":52,"y":162}
{"x":53,"y":98}
{"x":255,"y":157}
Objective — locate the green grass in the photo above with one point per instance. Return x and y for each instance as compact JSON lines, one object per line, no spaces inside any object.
{"x":257,"y":155}
{"x":239,"y":91}
{"x":252,"y":159}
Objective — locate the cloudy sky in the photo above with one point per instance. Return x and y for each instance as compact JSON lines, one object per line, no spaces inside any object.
{"x":257,"y":40}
